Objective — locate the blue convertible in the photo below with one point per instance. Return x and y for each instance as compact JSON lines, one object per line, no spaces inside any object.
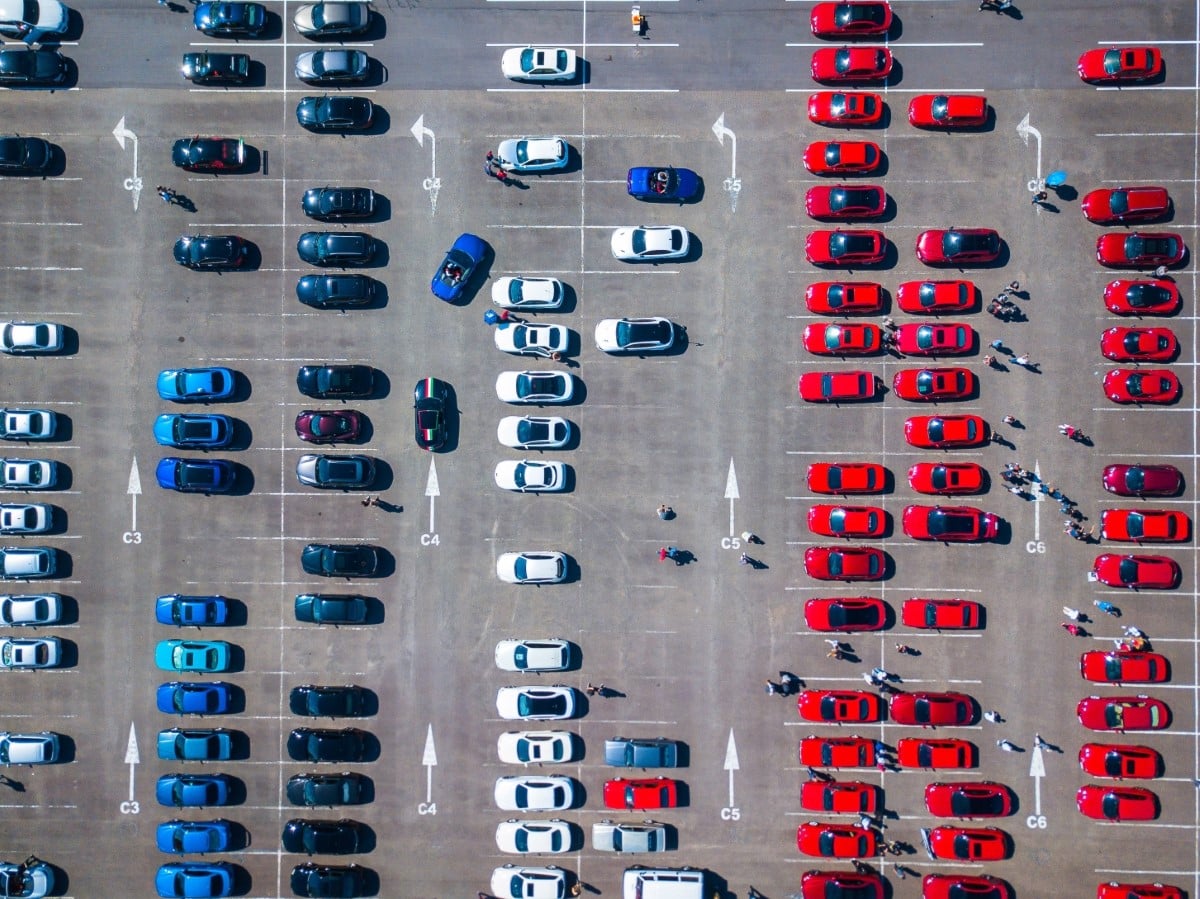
{"x":453,"y":275}
{"x":195,"y":385}
{"x":662,"y":183}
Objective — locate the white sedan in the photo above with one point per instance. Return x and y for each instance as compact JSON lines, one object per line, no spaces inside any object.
{"x":532,"y":567}
{"x":539,"y":64}
{"x":534,"y":836}
{"x":532,"y":338}
{"x":528,"y":293}
{"x":535,"y":387}
{"x":528,"y":792}
{"x":27,"y":474}
{"x":25,"y":518}
{"x":531,"y":477}
{"x":650,"y":243}
{"x":518,"y":882}
{"x":535,"y":703}
{"x":532,"y":154}
{"x":635,"y":335}
{"x":533,"y":655}
{"x":531,"y":432}
{"x":30,"y":652}
{"x":31,"y":337}
{"x":530,"y":747}
{"x":30,"y":610}
{"x":27,"y":424}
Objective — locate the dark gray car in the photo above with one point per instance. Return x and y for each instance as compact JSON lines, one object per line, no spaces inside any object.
{"x":326,"y":789}
{"x":331,"y":608}
{"x":658,"y":752}
{"x":336,"y":247}
{"x":340,"y":472}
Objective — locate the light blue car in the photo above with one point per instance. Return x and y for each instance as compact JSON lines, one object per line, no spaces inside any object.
{"x":194,"y":880}
{"x":214,"y":744}
{"x":192,"y":790}
{"x":192,"y":655}
{"x":195,"y":385}
{"x":193,"y":431}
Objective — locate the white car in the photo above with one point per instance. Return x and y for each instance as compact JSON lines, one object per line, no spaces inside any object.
{"x":27,"y":474}
{"x":532,"y":154}
{"x":30,"y":610}
{"x":650,"y":243}
{"x":539,"y":64}
{"x":535,"y":387}
{"x":533,"y":655}
{"x":608,"y":836}
{"x":535,"y":703}
{"x":528,"y":293}
{"x":31,"y":337}
{"x":533,"y":793}
{"x":534,"y":836}
{"x":528,"y":476}
{"x":517,"y":882}
{"x":29,"y":652}
{"x":32,"y":20}
{"x":28,"y":749}
{"x":18,"y":564}
{"x":531,"y":432}
{"x":635,"y":335}
{"x":26,"y":518}
{"x":532,"y":567}
{"x":531,"y":747}
{"x":532,"y":338}
{"x":27,"y":424}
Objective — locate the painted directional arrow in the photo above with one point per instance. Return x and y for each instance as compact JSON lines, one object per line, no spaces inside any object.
{"x":732,"y":184}
{"x":731,"y":494}
{"x":134,"y":182}
{"x":132,"y":758}
{"x":433,"y":492}
{"x":433,"y":183}
{"x":429,"y":760}
{"x":1037,"y":770}
{"x":731,"y":763}
{"x":134,"y":490}
{"x":1025,"y":130}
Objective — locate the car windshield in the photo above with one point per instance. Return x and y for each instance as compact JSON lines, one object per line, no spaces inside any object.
{"x":859,"y":13}
{"x":326,"y":425}
{"x":967,"y":806}
{"x":536,"y":385}
{"x":1118,"y":202}
{"x":842,"y":198}
{"x":940,"y":522}
{"x":843,"y":244}
{"x":639,"y":333}
{"x":532,"y":431}
{"x":1112,"y":62}
{"x":340,"y":470}
{"x":1110,"y":805}
{"x":198,"y":475}
{"x":1135,"y":479}
{"x":540,"y":705}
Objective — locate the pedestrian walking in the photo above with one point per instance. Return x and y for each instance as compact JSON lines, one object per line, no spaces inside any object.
{"x":754,"y":894}
{"x":881,"y":748}
{"x":1040,"y":197}
{"x":1130,"y":631}
{"x":1160,"y":272}
{"x":866,"y":675}
{"x":665,"y":512}
{"x":835,"y":653}
{"x":1073,"y":614}
{"x":790,"y":683}
{"x":1073,"y":629}
{"x":997,"y":345}
{"x":903,"y":648}
{"x":889,"y":323}
{"x":673,"y":554}
{"x":993,"y":716}
{"x":745,"y":559}
{"x":836,"y":644}
{"x":900,"y":872}
{"x":773,"y":688}
{"x":366,"y":502}
{"x":880,"y":674}
{"x":864,"y":868}
{"x":1013,"y":287}
{"x":1016,"y":490}
{"x":1022,"y":360}
{"x":1009,"y":419}
{"x":866,"y":822}
{"x":1039,"y":742}
{"x":749,"y":537}
{"x":988,"y":360}
{"x":1107,"y":607}
{"x":662,"y":553}
{"x":1007,"y":745}
{"x":591,"y":689}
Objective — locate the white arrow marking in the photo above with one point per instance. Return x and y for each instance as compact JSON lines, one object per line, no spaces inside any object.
{"x":134,"y":182}
{"x":1025,"y":129}
{"x":1037,"y":771}
{"x":731,"y":763}
{"x":131,"y":757}
{"x":134,"y":489}
{"x":733,"y":184}
{"x":433,"y":183}
{"x":429,"y":760}
{"x":433,"y":492}
{"x":731,"y":494}
{"x":1037,"y":504}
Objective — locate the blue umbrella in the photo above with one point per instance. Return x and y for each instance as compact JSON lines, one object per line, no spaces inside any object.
{"x":1056,"y":179}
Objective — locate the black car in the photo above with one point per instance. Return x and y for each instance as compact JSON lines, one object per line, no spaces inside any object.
{"x":327,"y":702}
{"x":429,"y":412}
{"x":322,"y":837}
{"x":230,"y":19}
{"x":24,"y":155}
{"x":338,"y":381}
{"x":340,"y":113}
{"x":331,"y":608}
{"x":210,"y":251}
{"x":216,"y":68}
{"x":42,"y":66}
{"x":340,"y":559}
{"x":338,"y":202}
{"x":326,"y":789}
{"x":328,"y":881}
{"x":311,"y":744}
{"x":336,"y":291}
{"x":340,"y":248}
{"x":209,"y":154}
{"x":337,"y":472}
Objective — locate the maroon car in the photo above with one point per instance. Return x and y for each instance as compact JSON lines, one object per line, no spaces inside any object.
{"x":1142,"y":480}
{"x":1108,"y":206}
{"x":328,"y":426}
{"x":1139,"y":249}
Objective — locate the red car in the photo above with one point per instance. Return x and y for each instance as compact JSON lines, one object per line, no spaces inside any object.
{"x":851,"y":19}
{"x":1111,"y":803}
{"x":941,"y":431}
{"x":932,"y":709}
{"x":643,"y":793}
{"x":847,"y":521}
{"x":1142,"y":480}
{"x":940,"y":614}
{"x":855,"y":339}
{"x":847,"y":157}
{"x":1153,"y":297}
{"x":1145,"y":525}
{"x":957,"y":246}
{"x":835,"y":840}
{"x":975,"y":844}
{"x":1137,"y":572}
{"x":839,"y":796}
{"x":949,"y":524}
{"x":1116,"y":666}
{"x":1120,"y":760}
{"x":1139,"y":344}
{"x":1127,"y":64}
{"x":935,"y":297}
{"x":1117,"y":205}
{"x":935,"y":339}
{"x":824,"y":884}
{"x":928,"y":385}
{"x":845,"y":108}
{"x":1139,"y":712}
{"x":845,"y":201}
{"x":947,"y":111}
{"x":839,"y":706}
{"x":913,"y":752}
{"x":1146,"y":385}
{"x":328,"y":426}
{"x":836,"y":386}
{"x":968,"y":799}
{"x":846,"y":477}
{"x":844,"y":298}
{"x":845,"y":614}
{"x":851,"y":63}
{"x":1139,"y":249}
{"x":946,"y":478}
{"x":837,"y":752}
{"x":859,"y":247}
{"x":964,"y":886}
{"x":833,"y":563}
{"x":1156,"y":890}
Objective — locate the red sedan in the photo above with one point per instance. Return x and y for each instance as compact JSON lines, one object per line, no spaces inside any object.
{"x":1117,"y":666}
{"x":975,"y":844}
{"x":1139,"y":712}
{"x":1117,"y":205}
{"x":845,"y":201}
{"x":848,"y":157}
{"x":643,"y":793}
{"x":964,"y":886}
{"x":949,"y":524}
{"x":1139,"y":344}
{"x":856,"y":339}
{"x":839,"y":706}
{"x":328,"y":426}
{"x":824,"y":884}
{"x":860,"y":247}
{"x":935,"y":297}
{"x":845,"y":108}
{"x":1139,"y":249}
{"x":846,"y":477}
{"x":1153,"y":297}
{"x":935,"y":339}
{"x":1147,"y":385}
{"x":844,"y":298}
{"x":851,"y":63}
{"x":974,"y":799}
{"x":1120,"y":760}
{"x":941,"y":614}
{"x":836,"y":386}
{"x":1156,"y":890}
{"x":913,"y":752}
{"x":957,"y":246}
{"x":1145,"y":525}
{"x":942,"y":431}
{"x":946,"y":478}
{"x":1124,"y":64}
{"x":845,"y":614}
{"x":928,"y":385}
{"x":833,"y":563}
{"x":851,"y":19}
{"x":847,"y":521}
{"x":1110,"y":803}
{"x":835,"y":840}
{"x":837,"y":752}
{"x":932,"y":709}
{"x":947,"y":111}
{"x":839,"y":796}
{"x":1136,"y":572}
{"x":1142,"y":480}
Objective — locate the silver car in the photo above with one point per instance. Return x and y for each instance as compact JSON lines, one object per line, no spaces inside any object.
{"x":535,"y":387}
{"x":26,"y":518}
{"x":529,"y":476}
{"x":533,"y":655}
{"x":539,"y":63}
{"x":528,"y":293}
{"x":333,"y":66}
{"x":31,"y":610}
{"x":536,"y":703}
{"x":29,"y":749}
{"x":27,"y":424}
{"x":27,"y":474}
{"x":30,"y":652}
{"x":532,"y":432}
{"x":532,"y":747}
{"x":529,"y":792}
{"x":650,"y":243}
{"x":548,"y":567}
{"x":31,"y":337}
{"x":17,"y":563}
{"x":649,"y":836}
{"x":554,"y":835}
{"x":533,"y":154}
{"x":532,"y":338}
{"x":319,"y":20}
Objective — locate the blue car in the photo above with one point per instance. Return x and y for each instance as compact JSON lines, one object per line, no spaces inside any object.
{"x":193,"y":431}
{"x":196,"y":475}
{"x":192,"y":790}
{"x":185,"y":698}
{"x":195,"y":385}
{"x":206,"y":656}
{"x":191,"y":611}
{"x":194,"y":880}
{"x":213,"y":744}
{"x":180,"y":837}
{"x":662,"y":183}
{"x":453,"y":275}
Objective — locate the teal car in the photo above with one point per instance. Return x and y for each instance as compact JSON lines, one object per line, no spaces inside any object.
{"x":205,"y":656}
